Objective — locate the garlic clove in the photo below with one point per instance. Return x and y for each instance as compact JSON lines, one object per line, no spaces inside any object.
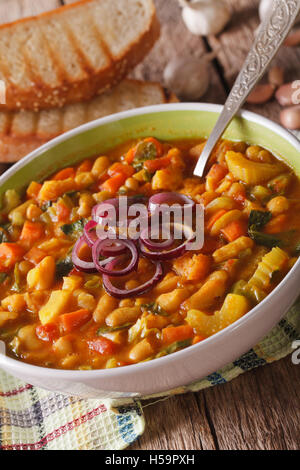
{"x":290,"y":117}
{"x":188,"y":78}
{"x":264,"y":9}
{"x":204,"y":17}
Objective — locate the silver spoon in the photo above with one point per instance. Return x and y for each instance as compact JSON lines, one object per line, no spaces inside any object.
{"x":270,"y":35}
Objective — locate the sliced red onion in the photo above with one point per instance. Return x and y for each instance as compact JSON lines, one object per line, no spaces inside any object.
{"x":113,"y":248}
{"x":167,"y":255}
{"x":85,"y":266}
{"x":169,"y":199}
{"x":98,"y":249}
{"x":140,"y":290}
{"x":89,"y":233}
{"x":151,"y":245}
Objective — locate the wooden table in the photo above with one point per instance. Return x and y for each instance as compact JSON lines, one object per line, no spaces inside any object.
{"x":260,"y":409}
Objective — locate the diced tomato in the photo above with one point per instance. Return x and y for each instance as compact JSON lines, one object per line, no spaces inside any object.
{"x":48,"y":332}
{"x":177,"y":333}
{"x":10,"y":254}
{"x":103,"y":346}
{"x":73,"y":320}
{"x":153,"y":165}
{"x":63,"y":211}
{"x":64,"y":174}
{"x":32,"y":231}
{"x":35,"y":255}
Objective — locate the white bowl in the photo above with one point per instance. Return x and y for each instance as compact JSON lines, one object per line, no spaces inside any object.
{"x":194,"y":362}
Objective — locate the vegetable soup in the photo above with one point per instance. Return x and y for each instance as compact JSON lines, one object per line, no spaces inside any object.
{"x":73,"y":297}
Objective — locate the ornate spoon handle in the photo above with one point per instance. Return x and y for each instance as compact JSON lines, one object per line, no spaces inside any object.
{"x":271,"y":34}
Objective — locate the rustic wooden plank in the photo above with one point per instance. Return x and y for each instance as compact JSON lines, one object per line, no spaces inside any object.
{"x":258,"y":410}
{"x":175,"y":40}
{"x":11,"y":10}
{"x":235,"y":42}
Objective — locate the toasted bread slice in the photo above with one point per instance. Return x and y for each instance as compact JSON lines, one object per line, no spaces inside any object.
{"x":68,"y":55}
{"x":23,"y":131}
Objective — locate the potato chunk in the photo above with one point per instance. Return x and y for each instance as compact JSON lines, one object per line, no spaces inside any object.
{"x":42,"y":276}
{"x":234,"y":307}
{"x":56,"y":305}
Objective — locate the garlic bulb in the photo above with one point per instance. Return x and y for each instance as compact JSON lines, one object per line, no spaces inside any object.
{"x":188,"y":78}
{"x":203,"y":17}
{"x":264,"y":8}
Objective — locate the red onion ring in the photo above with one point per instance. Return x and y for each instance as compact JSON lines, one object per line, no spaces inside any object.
{"x":97,"y":250}
{"x":168,"y":199}
{"x":85,"y":266}
{"x":167,"y":255}
{"x":89,"y":234}
{"x":140,"y":290}
{"x":151,"y":245}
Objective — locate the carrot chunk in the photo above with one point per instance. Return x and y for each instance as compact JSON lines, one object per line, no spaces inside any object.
{"x":214,"y":218}
{"x":73,"y":320}
{"x":113,"y":184}
{"x":64,"y":174}
{"x":177,"y":333}
{"x":10,"y":254}
{"x":35,"y":255}
{"x":217,"y":172}
{"x":32,"y":231}
{"x":119,"y":168}
{"x":198,"y":339}
{"x":85,"y":166}
{"x":103,"y":346}
{"x":234,"y":230}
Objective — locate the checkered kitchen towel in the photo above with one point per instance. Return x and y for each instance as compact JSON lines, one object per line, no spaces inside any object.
{"x":33,"y":419}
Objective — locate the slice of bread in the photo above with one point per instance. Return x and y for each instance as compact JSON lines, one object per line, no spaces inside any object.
{"x":70,"y":54}
{"x":23,"y":131}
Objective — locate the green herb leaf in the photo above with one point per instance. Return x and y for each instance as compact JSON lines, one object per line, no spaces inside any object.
{"x":258,"y":219}
{"x":110,"y":329}
{"x":175,"y":346}
{"x":3,"y":236}
{"x":155,"y":308}
{"x":3,"y":276}
{"x":264,"y":239}
{"x":145,"y":151}
{"x":75,"y":229}
{"x":64,"y":267}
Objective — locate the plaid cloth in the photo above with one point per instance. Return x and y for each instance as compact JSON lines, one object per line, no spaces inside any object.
{"x":34,"y":419}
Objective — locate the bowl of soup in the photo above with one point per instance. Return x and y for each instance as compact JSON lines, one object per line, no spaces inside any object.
{"x":122,"y":274}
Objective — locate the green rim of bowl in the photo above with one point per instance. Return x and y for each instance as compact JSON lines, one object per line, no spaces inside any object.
{"x":166,"y":122}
